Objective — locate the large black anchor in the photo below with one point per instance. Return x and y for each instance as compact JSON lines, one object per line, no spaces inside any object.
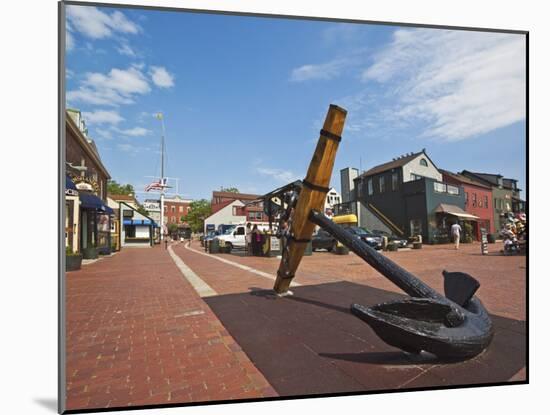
{"x":454,"y":326}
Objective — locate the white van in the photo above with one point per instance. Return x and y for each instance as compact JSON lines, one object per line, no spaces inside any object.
{"x":236,"y":237}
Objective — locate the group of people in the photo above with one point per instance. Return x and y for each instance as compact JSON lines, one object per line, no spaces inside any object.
{"x":514,"y":233}
{"x":254,"y":240}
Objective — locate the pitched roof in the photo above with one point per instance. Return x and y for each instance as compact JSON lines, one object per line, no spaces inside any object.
{"x":118,"y":198}
{"x":492,"y":179}
{"x":392,"y":164}
{"x":232,"y":195}
{"x":464,"y":179}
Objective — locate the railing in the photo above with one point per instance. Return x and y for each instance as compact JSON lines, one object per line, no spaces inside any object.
{"x":388,"y":221}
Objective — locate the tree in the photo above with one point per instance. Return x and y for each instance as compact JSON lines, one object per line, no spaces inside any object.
{"x":119,"y":189}
{"x":141,"y":209}
{"x":230,"y":189}
{"x":172,"y":229}
{"x":199,"y":211}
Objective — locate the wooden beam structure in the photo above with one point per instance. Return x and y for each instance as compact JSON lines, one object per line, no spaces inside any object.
{"x":312,"y":196}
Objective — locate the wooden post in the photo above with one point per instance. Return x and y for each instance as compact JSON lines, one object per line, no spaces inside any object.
{"x":312,"y":196}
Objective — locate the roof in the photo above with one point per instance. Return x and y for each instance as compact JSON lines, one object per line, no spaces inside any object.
{"x":232,"y":195}
{"x":464,"y":179}
{"x":492,"y":179}
{"x":454,"y":210}
{"x":393,"y":164}
{"x":117,"y":198}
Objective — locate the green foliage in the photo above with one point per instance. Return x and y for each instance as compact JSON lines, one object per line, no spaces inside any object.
{"x":230,"y":189}
{"x":172,"y":228}
{"x":468,"y":232}
{"x":200,"y":210}
{"x":119,"y":189}
{"x":69,"y":252}
{"x":142,"y":210}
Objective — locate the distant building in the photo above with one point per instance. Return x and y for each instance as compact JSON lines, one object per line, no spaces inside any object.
{"x":176,"y":209}
{"x":232,"y":213}
{"x":332,"y":199}
{"x":478,"y":200}
{"x":251,"y":209}
{"x":407,"y":197}
{"x":505,"y":195}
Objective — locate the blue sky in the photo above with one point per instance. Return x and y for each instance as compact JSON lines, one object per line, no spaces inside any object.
{"x":243,"y":98}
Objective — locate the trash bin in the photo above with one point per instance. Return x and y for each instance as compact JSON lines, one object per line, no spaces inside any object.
{"x":393,"y":247}
{"x":214,"y":246}
{"x":417,"y":245}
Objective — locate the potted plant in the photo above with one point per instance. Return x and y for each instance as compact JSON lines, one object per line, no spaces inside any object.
{"x":73,"y":260}
{"x":89,"y":253}
{"x":392,"y":246}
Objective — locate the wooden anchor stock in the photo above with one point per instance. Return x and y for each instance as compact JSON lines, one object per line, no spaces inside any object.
{"x":312,"y":196}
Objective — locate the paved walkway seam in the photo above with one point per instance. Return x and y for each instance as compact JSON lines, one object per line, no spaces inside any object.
{"x":241,"y":266}
{"x":202,"y":288}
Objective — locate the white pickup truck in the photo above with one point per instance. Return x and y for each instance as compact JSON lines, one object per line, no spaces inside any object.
{"x":236,"y":237}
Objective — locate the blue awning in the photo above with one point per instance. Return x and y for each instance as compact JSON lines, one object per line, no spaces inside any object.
{"x":90,"y":201}
{"x":144,"y":222}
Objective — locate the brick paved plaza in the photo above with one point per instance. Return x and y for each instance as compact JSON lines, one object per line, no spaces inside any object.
{"x":139,"y":333}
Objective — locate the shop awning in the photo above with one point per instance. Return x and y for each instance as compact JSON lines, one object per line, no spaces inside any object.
{"x":455,"y":211}
{"x":146,"y":222}
{"x":90,"y":201}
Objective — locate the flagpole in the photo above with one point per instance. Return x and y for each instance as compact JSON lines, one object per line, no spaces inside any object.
{"x":161,"y":117}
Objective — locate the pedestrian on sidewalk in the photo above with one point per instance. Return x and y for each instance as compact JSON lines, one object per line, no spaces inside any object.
{"x":248,"y":238}
{"x":455,"y":231}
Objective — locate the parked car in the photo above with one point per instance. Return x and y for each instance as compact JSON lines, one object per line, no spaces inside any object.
{"x":401,"y":242}
{"x":369,"y":238}
{"x":323,"y":240}
{"x":236,"y":236}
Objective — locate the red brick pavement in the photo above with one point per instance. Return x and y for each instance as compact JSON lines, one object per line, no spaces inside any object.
{"x":138,"y":334}
{"x":502,"y":278}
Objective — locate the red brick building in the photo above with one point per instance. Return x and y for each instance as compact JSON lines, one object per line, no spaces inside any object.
{"x":478,"y":200}
{"x":252,"y":212}
{"x":175,"y":210}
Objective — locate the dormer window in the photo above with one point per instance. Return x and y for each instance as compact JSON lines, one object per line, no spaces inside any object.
{"x":423,"y":162}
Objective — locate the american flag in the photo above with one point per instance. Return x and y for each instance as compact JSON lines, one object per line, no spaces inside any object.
{"x":158,"y":185}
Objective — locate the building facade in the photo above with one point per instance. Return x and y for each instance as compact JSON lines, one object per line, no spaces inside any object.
{"x":86,"y":170}
{"x":505,"y":195}
{"x":407,"y":197}
{"x":478,"y":201}
{"x":251,"y":209}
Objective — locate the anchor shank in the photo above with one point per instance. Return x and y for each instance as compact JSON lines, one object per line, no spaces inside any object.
{"x":396,"y":274}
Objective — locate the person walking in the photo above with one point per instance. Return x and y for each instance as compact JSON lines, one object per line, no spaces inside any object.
{"x":248,"y":238}
{"x":455,"y":231}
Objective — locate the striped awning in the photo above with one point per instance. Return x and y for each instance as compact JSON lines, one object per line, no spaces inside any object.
{"x":455,"y":211}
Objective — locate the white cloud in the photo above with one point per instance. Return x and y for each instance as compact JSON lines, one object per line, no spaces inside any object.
{"x":69,"y":41}
{"x":102,"y":117}
{"x":459,"y":83}
{"x":96,"y":24}
{"x":161,"y":77}
{"x":125,"y":49}
{"x":323,"y":71}
{"x":106,"y":134}
{"x":134,"y":132}
{"x":279,"y":175}
{"x":117,"y":87}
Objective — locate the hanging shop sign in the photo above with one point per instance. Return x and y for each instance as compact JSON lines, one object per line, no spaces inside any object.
{"x":484,"y":242}
{"x":86,"y":184}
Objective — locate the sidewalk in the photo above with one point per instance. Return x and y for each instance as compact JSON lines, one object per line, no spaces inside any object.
{"x":138,"y":334}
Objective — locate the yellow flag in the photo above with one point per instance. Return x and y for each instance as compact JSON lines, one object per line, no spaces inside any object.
{"x":159,"y":115}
